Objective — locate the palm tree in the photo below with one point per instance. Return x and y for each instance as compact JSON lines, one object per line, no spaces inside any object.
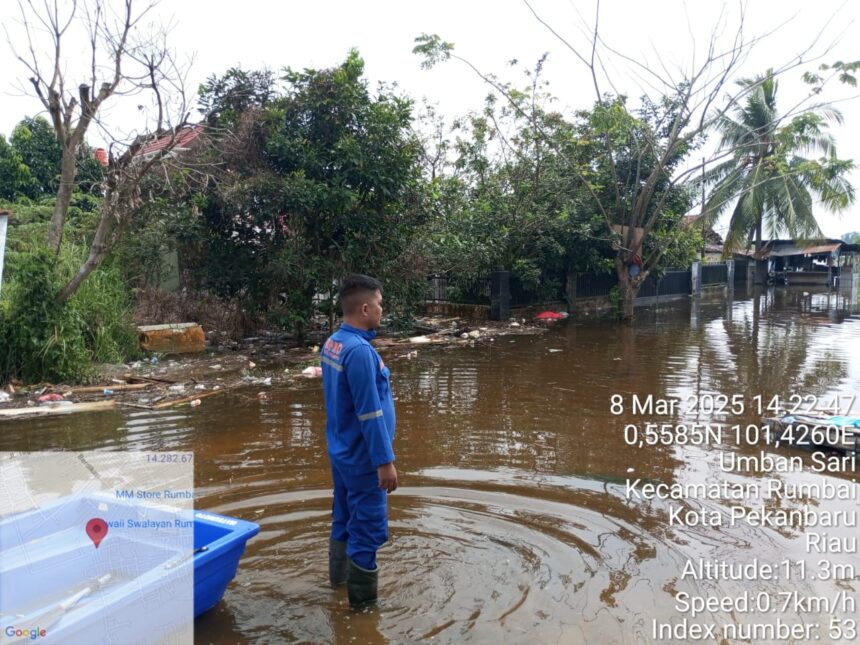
{"x":768,"y":178}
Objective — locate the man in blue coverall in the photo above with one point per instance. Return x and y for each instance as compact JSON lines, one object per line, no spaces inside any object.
{"x":359,"y":433}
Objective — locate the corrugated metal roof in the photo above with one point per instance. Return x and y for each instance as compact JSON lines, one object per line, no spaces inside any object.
{"x":793,"y":249}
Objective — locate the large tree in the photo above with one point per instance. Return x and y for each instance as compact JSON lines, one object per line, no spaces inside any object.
{"x":124,"y":56}
{"x":319,"y":179}
{"x":631,"y":203}
{"x":771,"y":178}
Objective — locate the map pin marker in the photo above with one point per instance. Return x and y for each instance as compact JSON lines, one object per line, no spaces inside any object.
{"x":97,"y":528}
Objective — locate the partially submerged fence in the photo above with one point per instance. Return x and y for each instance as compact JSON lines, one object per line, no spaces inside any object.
{"x":579,"y":287}
{"x":714,"y":273}
{"x":674,"y":282}
{"x":442,"y":288}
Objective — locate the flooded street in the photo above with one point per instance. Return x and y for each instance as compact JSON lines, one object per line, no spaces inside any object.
{"x":513,"y":522}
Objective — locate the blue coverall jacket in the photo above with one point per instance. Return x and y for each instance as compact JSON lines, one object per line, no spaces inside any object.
{"x":359,"y":434}
{"x":359,"y":406}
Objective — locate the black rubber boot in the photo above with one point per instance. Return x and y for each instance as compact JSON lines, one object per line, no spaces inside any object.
{"x":337,"y":569}
{"x":361,"y":585}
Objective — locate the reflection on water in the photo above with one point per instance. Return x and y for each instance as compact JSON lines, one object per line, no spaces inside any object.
{"x":512,"y":521}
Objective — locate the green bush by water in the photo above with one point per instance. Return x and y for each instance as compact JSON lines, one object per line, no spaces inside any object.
{"x":43,"y":340}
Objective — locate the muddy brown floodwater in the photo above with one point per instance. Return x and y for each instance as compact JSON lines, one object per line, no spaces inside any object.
{"x":513,"y":523}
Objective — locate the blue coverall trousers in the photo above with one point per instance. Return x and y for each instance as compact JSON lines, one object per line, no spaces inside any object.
{"x":359,"y":515}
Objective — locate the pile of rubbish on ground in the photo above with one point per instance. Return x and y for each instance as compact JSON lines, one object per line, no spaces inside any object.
{"x":224,"y":365}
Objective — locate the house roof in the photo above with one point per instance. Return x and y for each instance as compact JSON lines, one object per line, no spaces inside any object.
{"x":786,"y":248}
{"x":184,"y":136}
{"x":792,"y":249}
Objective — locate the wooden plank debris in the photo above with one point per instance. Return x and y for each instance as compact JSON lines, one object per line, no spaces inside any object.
{"x":47,"y":410}
{"x":95,"y":389}
{"x":187,"y":399}
{"x":180,"y":338}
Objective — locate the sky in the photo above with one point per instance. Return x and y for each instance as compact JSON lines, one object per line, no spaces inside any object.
{"x":664,"y":36}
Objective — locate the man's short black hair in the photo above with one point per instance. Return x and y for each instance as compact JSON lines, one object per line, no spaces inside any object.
{"x":354,"y":289}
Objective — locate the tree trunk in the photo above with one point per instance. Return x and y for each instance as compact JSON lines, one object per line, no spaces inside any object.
{"x":64,"y":198}
{"x":628,"y":287}
{"x":628,"y":296}
{"x":760,"y":265}
{"x":331,"y":306}
{"x":101,"y":245}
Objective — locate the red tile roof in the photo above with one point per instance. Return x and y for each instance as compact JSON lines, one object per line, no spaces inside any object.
{"x":184,"y":136}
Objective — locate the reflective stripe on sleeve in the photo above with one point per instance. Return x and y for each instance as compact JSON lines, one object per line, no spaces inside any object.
{"x":332,"y":364}
{"x":370,"y":415}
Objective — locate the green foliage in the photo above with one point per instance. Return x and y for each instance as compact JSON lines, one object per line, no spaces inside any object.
{"x":102,"y":306}
{"x":169,"y":220}
{"x":324,"y":183}
{"x":433,"y":49}
{"x":846,"y":73}
{"x":681,"y":245}
{"x":39,"y":338}
{"x":768,"y":179}
{"x":223,"y":100}
{"x":35,"y":140}
{"x":30,"y":163}
{"x":615,"y":300}
{"x":525,"y":189}
{"x":43,"y":340}
{"x":15,"y":176}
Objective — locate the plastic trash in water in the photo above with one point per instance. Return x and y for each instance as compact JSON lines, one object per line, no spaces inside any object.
{"x":312,"y":371}
{"x":551,"y":315}
{"x":107,"y":391}
{"x":154,"y":360}
{"x":4,"y":396}
{"x":195,"y":403}
{"x":46,"y":398}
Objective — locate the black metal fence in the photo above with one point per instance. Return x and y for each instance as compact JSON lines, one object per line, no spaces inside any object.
{"x":672,"y":283}
{"x":591,"y":285}
{"x":715,"y":273}
{"x":442,"y":288}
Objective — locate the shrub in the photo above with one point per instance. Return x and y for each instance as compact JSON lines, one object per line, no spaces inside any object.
{"x":41,"y":339}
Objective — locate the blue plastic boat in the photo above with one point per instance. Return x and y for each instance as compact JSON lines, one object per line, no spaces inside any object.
{"x":145,"y":582}
{"x":219,"y":542}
